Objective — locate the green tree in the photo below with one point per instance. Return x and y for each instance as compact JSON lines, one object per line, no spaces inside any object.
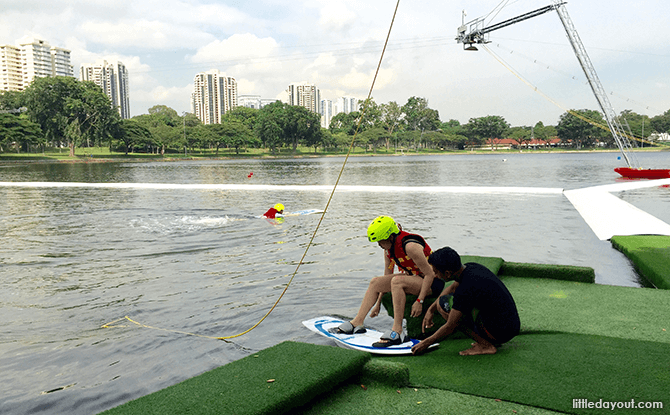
{"x":341,"y":140}
{"x":168,"y":129}
{"x":372,"y":114}
{"x":373,"y":137}
{"x":419,"y":116}
{"x":132,"y":133}
{"x":269,"y":125}
{"x":391,"y":118}
{"x":11,"y":100}
{"x":300,"y":126}
{"x":232,"y":134}
{"x":68,"y":109}
{"x":661,"y":123}
{"x":487,"y":128}
{"x":436,"y":139}
{"x":639,"y":125}
{"x":521,"y":135}
{"x":408,"y":138}
{"x":344,"y":123}
{"x":455,"y":133}
{"x":576,"y":130}
{"x":166,"y":115}
{"x":18,"y":131}
{"x":246,"y":116}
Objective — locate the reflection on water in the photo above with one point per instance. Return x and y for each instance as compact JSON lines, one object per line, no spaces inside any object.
{"x":73,"y":259}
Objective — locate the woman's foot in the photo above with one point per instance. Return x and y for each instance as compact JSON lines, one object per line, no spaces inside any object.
{"x":348,"y":328}
{"x":389,"y":338}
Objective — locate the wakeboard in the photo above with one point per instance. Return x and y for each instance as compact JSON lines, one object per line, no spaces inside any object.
{"x":363,"y":341}
{"x":303,"y":212}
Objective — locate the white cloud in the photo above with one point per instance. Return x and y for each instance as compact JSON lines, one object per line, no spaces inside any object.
{"x":143,"y":34}
{"x":237,"y":47}
{"x":267,"y":44}
{"x":336,"y":16}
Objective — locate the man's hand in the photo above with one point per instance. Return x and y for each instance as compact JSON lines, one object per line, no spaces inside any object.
{"x":417,"y":309}
{"x":427,"y":320}
{"x":421,"y":346}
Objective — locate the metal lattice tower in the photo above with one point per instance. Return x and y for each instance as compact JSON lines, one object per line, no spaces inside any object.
{"x":476,"y":32}
{"x":618,"y":132}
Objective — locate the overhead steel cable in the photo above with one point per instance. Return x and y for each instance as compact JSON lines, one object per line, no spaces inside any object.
{"x":325,"y":210}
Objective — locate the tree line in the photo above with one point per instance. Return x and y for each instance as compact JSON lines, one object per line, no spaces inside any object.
{"x":64,"y":112}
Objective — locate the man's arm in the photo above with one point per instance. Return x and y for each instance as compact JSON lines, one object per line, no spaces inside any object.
{"x":445,"y":330}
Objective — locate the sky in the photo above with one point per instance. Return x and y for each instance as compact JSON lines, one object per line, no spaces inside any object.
{"x":527,"y":73}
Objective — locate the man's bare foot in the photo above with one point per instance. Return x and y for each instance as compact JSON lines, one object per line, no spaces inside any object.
{"x":478,"y":349}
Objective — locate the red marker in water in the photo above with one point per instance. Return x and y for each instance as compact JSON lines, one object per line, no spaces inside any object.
{"x":250,"y":174}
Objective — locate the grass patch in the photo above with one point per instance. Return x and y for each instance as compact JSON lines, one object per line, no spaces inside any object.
{"x":549,"y":370}
{"x":380,"y":399}
{"x":650,"y":254}
{"x":556,"y":272}
{"x":573,"y":307}
{"x":300,"y":372}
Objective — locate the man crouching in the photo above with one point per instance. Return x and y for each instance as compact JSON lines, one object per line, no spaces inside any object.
{"x":477,"y":303}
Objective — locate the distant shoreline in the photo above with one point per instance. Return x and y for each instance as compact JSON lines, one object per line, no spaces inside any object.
{"x":12,"y":159}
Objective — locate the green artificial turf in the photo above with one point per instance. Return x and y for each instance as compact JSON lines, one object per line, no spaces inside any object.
{"x":650,"y":255}
{"x":380,"y":399}
{"x":391,"y":373}
{"x":549,"y":370}
{"x":578,"y":341}
{"x":271,"y":381}
{"x":492,"y":263}
{"x":556,"y":272}
{"x":573,"y":307}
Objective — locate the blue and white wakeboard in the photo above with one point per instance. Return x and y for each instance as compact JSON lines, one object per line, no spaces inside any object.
{"x":303,"y":212}
{"x":363,"y":341}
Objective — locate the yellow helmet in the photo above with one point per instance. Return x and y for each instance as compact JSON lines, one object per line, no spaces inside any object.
{"x":279,"y":207}
{"x":382,"y":228}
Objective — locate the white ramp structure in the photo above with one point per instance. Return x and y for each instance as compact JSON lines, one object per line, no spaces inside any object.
{"x":607,"y":215}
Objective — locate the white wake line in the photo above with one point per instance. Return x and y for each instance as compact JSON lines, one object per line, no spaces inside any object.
{"x":323,"y":188}
{"x":605,"y":214}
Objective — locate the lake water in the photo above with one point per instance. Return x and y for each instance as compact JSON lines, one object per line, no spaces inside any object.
{"x":200,"y":261}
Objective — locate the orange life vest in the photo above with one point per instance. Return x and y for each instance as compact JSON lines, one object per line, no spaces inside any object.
{"x":399,"y":256}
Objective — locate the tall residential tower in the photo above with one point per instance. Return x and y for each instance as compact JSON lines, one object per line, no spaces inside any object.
{"x":11,"y":73}
{"x":213,"y":95}
{"x":19,"y":66}
{"x":113,"y":79}
{"x":305,"y":95}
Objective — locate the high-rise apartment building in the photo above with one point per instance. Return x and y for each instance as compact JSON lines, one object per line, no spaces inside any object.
{"x":305,"y":95}
{"x":346,"y":105}
{"x":213,"y":95}
{"x":113,"y":79}
{"x":254,"y":101}
{"x":36,"y":59}
{"x":60,"y":62}
{"x":11,"y":74}
{"x":326,"y":112}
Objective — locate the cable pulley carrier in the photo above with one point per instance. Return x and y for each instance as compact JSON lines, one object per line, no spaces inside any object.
{"x":476,"y":32}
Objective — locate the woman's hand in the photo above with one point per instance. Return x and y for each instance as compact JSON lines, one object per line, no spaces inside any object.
{"x":417,"y":309}
{"x":375,"y":310}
